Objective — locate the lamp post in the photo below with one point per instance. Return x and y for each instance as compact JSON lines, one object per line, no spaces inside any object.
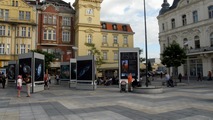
{"x":145,"y":43}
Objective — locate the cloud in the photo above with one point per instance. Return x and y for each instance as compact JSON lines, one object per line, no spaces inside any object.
{"x":132,"y":12}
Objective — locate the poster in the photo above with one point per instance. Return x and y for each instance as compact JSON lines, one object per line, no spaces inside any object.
{"x":11,"y":71}
{"x":84,"y":70}
{"x":73,"y":71}
{"x":25,"y":66}
{"x":65,"y":72}
{"x":39,"y":69}
{"x":129,"y":64}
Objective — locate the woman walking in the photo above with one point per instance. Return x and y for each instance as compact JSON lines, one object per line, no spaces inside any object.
{"x":19,"y":85}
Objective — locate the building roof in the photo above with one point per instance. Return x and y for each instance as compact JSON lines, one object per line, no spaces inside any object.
{"x":166,"y":7}
{"x":119,"y":27}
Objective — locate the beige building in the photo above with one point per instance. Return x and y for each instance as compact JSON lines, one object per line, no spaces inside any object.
{"x":107,"y":36}
{"x":17,"y":29}
{"x":189,"y":23}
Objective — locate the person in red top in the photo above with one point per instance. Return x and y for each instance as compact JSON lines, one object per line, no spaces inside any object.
{"x":129,"y":82}
{"x":46,"y":78}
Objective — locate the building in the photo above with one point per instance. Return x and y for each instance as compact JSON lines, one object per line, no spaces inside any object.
{"x":189,"y":23}
{"x":17,"y":29}
{"x":107,"y":36}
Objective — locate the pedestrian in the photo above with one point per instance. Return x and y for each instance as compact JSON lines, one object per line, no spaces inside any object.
{"x":169,"y":81}
{"x":19,"y":85}
{"x":209,"y":75}
{"x":49,"y":78}
{"x":3,"y":80}
{"x":199,"y":77}
{"x":46,"y":78}
{"x":27,"y":80}
{"x":180,"y":77}
{"x":57,"y":79}
{"x":161,"y":74}
{"x":130,"y":82}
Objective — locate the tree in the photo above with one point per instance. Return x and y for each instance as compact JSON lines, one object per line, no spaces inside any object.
{"x":141,"y":59}
{"x":48,"y":57}
{"x":173,"y":55}
{"x":94,"y":51}
{"x":149,"y":66}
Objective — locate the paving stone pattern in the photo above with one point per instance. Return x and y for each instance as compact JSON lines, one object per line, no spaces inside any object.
{"x":191,"y":102}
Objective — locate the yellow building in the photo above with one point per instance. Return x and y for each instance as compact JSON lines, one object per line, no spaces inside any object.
{"x":107,"y":36}
{"x":17,"y":29}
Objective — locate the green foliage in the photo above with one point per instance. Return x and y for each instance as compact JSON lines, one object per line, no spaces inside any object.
{"x":141,"y":59}
{"x":48,"y":57}
{"x":149,"y":66}
{"x":173,"y":55}
{"x":96,"y":53}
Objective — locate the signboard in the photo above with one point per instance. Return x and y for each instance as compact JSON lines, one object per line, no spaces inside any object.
{"x":39,"y":71}
{"x":65,"y":71}
{"x":84,"y":68}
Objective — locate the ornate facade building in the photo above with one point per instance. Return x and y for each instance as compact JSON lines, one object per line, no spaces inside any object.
{"x":189,"y":23}
{"x":17,"y":29}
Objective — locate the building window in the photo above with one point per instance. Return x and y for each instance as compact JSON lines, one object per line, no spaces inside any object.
{"x":163,"y":26}
{"x":195,"y":16}
{"x":125,"y":40}
{"x":23,"y":32}
{"x":27,"y":15}
{"x":8,"y":31}
{"x":45,"y":34}
{"x":115,"y":39}
{"x":1,"y":48}
{"x":104,"y":39}
{"x":66,"y":21}
{"x":45,"y":19}
{"x":104,"y":26}
{"x":1,"y":13}
{"x":21,"y":15}
{"x":6,"y":16}
{"x":28,"y":48}
{"x":105,"y":55}
{"x":49,"y":34}
{"x":29,"y":30}
{"x":115,"y":55}
{"x":184,"y":20}
{"x":66,"y":36}
{"x":22,"y":48}
{"x":2,"y":30}
{"x":16,"y":3}
{"x":54,"y":35}
{"x":8,"y":48}
{"x":211,"y":39}
{"x":54,"y":19}
{"x":124,"y":27}
{"x":173,"y":23}
{"x":210,"y":11}
{"x":50,"y":20}
{"x":16,"y":48}
{"x":17,"y":34}
{"x":89,"y":38}
{"x":197,"y":41}
{"x":13,"y":3}
{"x":114,"y":26}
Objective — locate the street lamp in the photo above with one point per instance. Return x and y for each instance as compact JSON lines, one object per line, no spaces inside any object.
{"x":146,"y":43}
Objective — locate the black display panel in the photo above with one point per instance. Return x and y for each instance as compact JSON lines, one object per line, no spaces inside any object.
{"x":128,"y":64}
{"x":84,"y":70}
{"x":73,"y":71}
{"x":25,"y":67}
{"x":65,"y":72}
{"x":39,"y":69}
{"x":11,"y":71}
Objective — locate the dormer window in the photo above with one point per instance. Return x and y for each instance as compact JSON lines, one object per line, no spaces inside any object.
{"x":114,"y":26}
{"x":124,"y":28}
{"x":103,"y":25}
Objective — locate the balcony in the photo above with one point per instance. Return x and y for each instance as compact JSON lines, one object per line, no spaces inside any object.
{"x":15,"y":21}
{"x":201,"y":50}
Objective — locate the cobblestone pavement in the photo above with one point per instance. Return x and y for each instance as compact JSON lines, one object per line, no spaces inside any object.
{"x":189,"y":102}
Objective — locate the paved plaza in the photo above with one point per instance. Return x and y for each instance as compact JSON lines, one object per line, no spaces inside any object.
{"x":191,"y":102}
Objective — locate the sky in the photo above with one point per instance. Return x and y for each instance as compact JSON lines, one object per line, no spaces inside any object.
{"x":132,"y":12}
